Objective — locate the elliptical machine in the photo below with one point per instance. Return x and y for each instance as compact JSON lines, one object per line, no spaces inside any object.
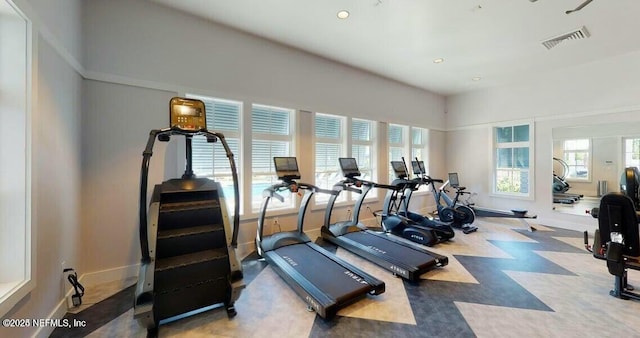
{"x":187,"y":242}
{"x":460,"y":216}
{"x":397,"y":219}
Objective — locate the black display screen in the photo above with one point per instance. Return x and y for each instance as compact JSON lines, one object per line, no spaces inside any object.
{"x":453,"y":179}
{"x":418,"y":167}
{"x":349,"y":167}
{"x":286,"y":167}
{"x":399,"y":168}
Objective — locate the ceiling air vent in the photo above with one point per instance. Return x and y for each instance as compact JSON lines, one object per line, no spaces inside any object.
{"x":580,"y":33}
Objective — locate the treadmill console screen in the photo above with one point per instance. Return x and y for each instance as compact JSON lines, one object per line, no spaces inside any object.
{"x":349,"y":167}
{"x":187,"y":114}
{"x":453,"y":180}
{"x":399,"y":169}
{"x":286,"y":168}
{"x":418,"y":167}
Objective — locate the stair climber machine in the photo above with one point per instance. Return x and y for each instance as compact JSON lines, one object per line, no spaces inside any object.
{"x":324,"y":281}
{"x":460,"y":216}
{"x":398,"y":220}
{"x":187,"y":242}
{"x":400,"y":258}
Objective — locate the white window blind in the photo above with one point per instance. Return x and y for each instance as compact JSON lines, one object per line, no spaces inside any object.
{"x":397,"y":146}
{"x":210,"y":159}
{"x":362,"y":149}
{"x":419,"y":151}
{"x":272,"y":137}
{"x":329,"y":146}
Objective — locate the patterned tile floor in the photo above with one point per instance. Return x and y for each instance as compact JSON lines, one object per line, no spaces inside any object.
{"x":501,"y":281}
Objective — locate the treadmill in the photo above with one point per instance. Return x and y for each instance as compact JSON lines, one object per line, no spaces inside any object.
{"x":324,"y":281}
{"x":402,"y":259}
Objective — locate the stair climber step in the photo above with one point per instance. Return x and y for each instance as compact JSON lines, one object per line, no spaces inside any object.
{"x":191,"y":297}
{"x":176,"y":272}
{"x":182,"y":241}
{"x":189,"y":214}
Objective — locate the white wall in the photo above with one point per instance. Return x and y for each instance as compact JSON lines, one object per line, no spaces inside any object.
{"x":139,"y":54}
{"x":591,"y":94}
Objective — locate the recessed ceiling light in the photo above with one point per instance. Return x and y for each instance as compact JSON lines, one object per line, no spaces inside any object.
{"x":343,"y":14}
{"x":476,"y":78}
{"x":438,"y":60}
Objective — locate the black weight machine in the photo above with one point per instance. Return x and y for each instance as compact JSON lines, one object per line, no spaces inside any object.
{"x":323,"y":280}
{"x":186,"y":238}
{"x":406,"y":260}
{"x":617,"y":238}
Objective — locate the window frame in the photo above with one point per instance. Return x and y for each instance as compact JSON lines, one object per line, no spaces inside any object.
{"x":229,"y":135}
{"x":290,"y":199}
{"x":13,"y":291}
{"x":625,"y":152}
{"x":495,"y":145}
{"x":588,"y":162}
{"x":409,"y":149}
{"x":371,"y":143}
{"x":341,"y":142}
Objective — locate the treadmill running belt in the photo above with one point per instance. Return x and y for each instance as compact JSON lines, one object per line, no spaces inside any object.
{"x":330,"y":277}
{"x":400,"y":252}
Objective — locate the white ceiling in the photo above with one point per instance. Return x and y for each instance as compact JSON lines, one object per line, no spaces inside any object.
{"x":498,"y":40}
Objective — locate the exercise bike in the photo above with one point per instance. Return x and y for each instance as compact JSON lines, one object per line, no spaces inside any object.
{"x":460,"y":216}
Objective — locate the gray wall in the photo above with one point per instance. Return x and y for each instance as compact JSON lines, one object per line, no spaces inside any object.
{"x":56,"y":170}
{"x":153,"y":53}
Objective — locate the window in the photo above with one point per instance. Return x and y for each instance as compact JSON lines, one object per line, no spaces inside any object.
{"x":210,"y":159}
{"x":632,"y":152}
{"x":512,"y":160}
{"x":397,"y":145}
{"x":401,"y":146}
{"x":329,"y":146}
{"x":362,"y":149}
{"x":16,"y":251}
{"x":419,"y":145}
{"x":271,"y":129}
{"x":577,"y":154}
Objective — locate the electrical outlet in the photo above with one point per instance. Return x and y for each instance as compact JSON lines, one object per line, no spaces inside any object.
{"x":275,"y":224}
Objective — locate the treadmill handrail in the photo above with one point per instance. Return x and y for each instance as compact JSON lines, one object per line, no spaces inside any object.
{"x":346,"y":184}
{"x":293,"y":186}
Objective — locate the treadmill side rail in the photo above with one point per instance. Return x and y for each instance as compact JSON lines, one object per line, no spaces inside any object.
{"x":377,"y":285}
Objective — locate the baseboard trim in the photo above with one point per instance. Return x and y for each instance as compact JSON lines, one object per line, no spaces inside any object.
{"x":110,"y":275}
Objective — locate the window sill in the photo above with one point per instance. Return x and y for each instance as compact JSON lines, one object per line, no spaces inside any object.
{"x":270,"y":213}
{"x":512,"y":196}
{"x":12,"y":293}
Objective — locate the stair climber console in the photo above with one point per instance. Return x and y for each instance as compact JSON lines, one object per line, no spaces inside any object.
{"x":186,"y":237}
